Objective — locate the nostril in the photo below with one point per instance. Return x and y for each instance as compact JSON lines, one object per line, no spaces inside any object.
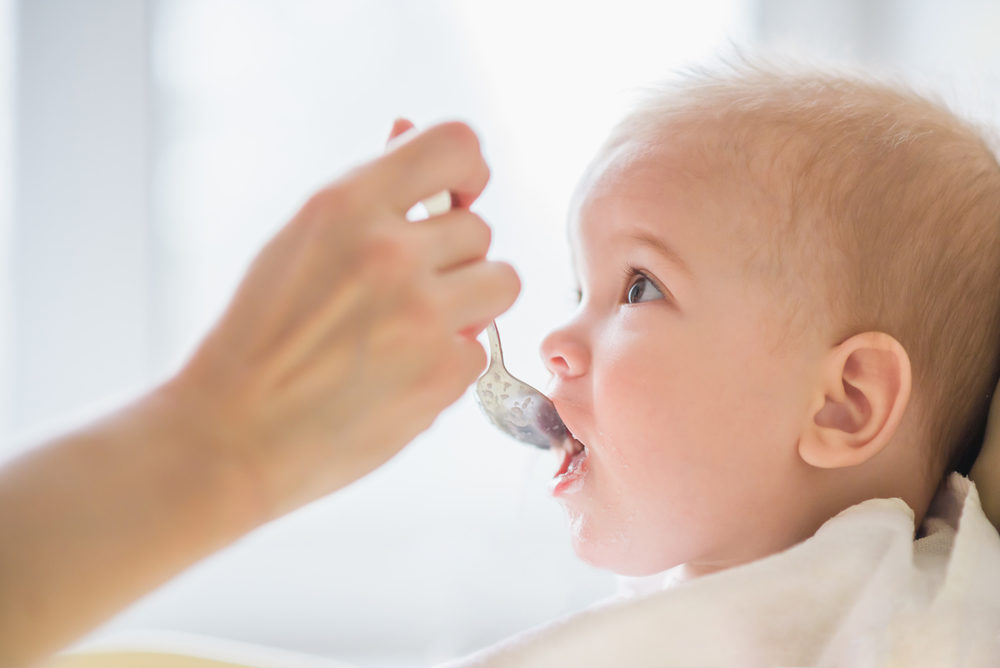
{"x":549,"y":351}
{"x":557,"y":365}
{"x":564,"y":355}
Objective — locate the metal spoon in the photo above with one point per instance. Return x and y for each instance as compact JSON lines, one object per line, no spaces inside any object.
{"x":515,"y":407}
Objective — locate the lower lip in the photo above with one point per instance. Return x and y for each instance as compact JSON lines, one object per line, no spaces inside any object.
{"x":571,"y":480}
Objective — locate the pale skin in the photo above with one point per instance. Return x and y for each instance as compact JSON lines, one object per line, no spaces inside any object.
{"x":711,"y":442}
{"x":352,"y":329}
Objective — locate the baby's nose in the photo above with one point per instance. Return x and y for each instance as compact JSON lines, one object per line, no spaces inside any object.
{"x":565,"y":355}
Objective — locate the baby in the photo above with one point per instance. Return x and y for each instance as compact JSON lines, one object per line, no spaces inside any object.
{"x":788,"y":306}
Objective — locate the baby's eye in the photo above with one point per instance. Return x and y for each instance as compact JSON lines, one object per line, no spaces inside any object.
{"x":641,"y":289}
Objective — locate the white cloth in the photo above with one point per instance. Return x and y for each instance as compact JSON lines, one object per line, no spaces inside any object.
{"x":860,"y":592}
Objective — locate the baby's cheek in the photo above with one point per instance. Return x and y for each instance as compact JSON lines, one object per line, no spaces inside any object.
{"x":630,"y":421}
{"x":639,"y":433}
{"x":647,"y":400}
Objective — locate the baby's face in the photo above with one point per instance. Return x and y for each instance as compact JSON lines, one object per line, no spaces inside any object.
{"x":688,"y":403}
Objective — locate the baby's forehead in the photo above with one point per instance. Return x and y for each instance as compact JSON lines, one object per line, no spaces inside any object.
{"x":678,"y":170}
{"x":722,"y":218}
{"x":634,"y":165}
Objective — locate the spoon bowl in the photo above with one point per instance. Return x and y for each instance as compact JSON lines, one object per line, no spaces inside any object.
{"x":515,"y":407}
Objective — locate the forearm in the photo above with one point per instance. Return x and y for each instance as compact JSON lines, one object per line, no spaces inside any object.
{"x":349,"y":333}
{"x":94,"y":519}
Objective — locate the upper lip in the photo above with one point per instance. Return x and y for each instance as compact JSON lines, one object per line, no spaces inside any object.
{"x":575,"y":445}
{"x":574,"y":442}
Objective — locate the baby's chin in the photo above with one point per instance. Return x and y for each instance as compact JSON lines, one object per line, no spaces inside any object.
{"x":616,"y":550}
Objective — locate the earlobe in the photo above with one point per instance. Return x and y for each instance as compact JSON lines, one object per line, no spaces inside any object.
{"x":859,"y":402}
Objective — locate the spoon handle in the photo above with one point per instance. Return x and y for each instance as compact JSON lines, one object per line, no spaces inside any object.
{"x":435,"y":205}
{"x":496,"y":353}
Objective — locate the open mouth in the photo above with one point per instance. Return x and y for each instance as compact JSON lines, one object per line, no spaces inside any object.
{"x":572,"y":467}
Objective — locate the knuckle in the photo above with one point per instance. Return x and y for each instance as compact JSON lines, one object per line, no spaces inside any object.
{"x":480,"y":232}
{"x":331,"y":208}
{"x":458,"y":134}
{"x":425,"y":312}
{"x":458,"y":368}
{"x":333,"y":200}
{"x":477,"y":360}
{"x":509,"y":279}
{"x":472,"y":360}
{"x":389,"y":256}
{"x":486,"y":234}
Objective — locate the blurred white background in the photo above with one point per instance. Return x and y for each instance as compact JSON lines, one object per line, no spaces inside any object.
{"x":147,"y":149}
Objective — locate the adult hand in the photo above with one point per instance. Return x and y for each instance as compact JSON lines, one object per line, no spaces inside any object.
{"x":354,"y":327}
{"x":351,"y":330}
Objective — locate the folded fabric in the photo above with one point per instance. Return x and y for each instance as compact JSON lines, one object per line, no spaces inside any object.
{"x":860,"y":592}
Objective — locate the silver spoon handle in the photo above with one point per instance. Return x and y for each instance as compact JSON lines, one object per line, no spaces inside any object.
{"x":496,"y":353}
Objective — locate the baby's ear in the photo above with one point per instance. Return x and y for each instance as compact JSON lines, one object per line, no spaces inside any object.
{"x":860,"y":400}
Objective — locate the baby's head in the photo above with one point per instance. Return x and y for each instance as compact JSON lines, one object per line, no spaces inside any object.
{"x":788,"y":305}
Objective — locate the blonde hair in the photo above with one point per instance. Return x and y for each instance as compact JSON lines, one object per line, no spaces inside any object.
{"x":885,"y":216}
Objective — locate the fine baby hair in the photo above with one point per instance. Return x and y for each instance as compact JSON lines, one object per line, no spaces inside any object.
{"x":886,"y":216}
{"x":786,"y":280}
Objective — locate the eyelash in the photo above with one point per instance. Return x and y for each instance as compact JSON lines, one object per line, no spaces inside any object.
{"x":629,"y":273}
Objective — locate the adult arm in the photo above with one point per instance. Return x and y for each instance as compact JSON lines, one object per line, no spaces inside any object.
{"x":352,"y":329}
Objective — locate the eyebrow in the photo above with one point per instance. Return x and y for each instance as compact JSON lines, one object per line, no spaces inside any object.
{"x":659,"y":245}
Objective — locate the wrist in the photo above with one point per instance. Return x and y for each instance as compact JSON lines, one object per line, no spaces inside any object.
{"x":184,"y":413}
